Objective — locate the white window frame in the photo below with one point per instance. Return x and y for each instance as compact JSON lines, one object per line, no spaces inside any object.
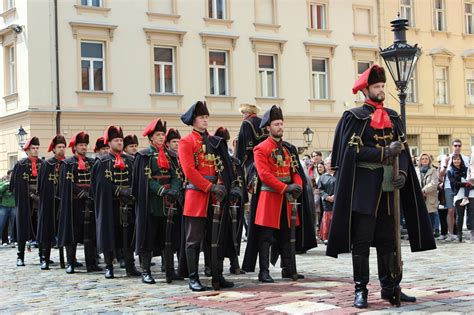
{"x":10,"y":4}
{"x":313,"y":19}
{"x":414,"y":148}
{"x":360,"y":95}
{"x":316,"y":77}
{"x":91,"y":67}
{"x":215,"y":69}
{"x":444,"y":81}
{"x":11,"y":69}
{"x":443,"y":150}
{"x":162,"y":65}
{"x":403,"y":12}
{"x":437,"y":13}
{"x":412,"y":88}
{"x":470,"y":88}
{"x":214,"y":10}
{"x":469,"y":18}
{"x":263,"y":74}
{"x":89,"y":4}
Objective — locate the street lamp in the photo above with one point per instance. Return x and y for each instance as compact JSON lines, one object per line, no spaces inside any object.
{"x":401,"y":59}
{"x":21,"y":136}
{"x":308,"y":136}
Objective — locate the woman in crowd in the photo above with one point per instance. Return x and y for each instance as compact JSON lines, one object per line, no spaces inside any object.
{"x":320,"y":170}
{"x":428,"y":177}
{"x":327,"y":183}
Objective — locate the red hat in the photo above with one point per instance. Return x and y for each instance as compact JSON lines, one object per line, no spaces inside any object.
{"x":374,"y":74}
{"x":223,"y":133}
{"x":99,"y":144}
{"x":55,"y":141}
{"x":80,"y":137}
{"x":112,"y":132}
{"x":30,"y":142}
{"x":155,"y":125}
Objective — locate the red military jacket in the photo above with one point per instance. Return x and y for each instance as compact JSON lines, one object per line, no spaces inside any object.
{"x":195,"y":166}
{"x":272,"y":168}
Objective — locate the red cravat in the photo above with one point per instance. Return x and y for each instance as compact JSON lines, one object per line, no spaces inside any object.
{"x":380,"y":118}
{"x":119,"y":163}
{"x":34,"y":168}
{"x":162,"y":161}
{"x":80,"y":162}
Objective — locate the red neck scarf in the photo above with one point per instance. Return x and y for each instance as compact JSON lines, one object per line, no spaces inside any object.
{"x":34,"y":168}
{"x":119,"y":163}
{"x":60,"y":158}
{"x":380,"y":118}
{"x":80,"y":162}
{"x":162,"y":160}
{"x":247,"y":117}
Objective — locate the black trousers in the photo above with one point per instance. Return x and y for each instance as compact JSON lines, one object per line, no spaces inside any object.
{"x":368,"y":230}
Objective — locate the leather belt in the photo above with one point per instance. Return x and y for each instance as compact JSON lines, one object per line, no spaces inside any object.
{"x":286,"y":180}
{"x":212,"y":179}
{"x":368,"y":165}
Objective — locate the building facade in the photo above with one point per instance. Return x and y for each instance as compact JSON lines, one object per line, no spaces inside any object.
{"x":125,"y":63}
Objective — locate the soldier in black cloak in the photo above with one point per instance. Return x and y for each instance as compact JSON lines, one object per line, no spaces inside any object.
{"x":23,"y":184}
{"x":366,"y":140}
{"x":77,"y":219}
{"x":48,"y":210}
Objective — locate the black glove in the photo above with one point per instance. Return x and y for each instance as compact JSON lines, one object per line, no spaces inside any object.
{"x":394,"y":149}
{"x":235,"y":194}
{"x":126,"y":193}
{"x":399,"y":182}
{"x":171,"y":195}
{"x":219,"y":191}
{"x":293,"y":190}
{"x":35,"y":197}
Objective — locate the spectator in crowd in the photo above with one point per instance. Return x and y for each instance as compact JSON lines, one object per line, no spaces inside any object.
{"x":7,"y":204}
{"x":306,"y":161}
{"x":448,"y":190}
{"x":316,"y":158}
{"x":470,"y":213}
{"x":320,"y":170}
{"x":457,"y":175}
{"x":326,"y":186}
{"x":428,"y":177}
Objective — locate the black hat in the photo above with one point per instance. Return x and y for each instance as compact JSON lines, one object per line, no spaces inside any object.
{"x":130,"y":139}
{"x":112,"y":132}
{"x":274,"y":113}
{"x":172,"y":134}
{"x":223,"y":133}
{"x":197,"y":109}
{"x":154,"y":126}
{"x":55,"y":141}
{"x":377,"y":74}
{"x":99,"y":144}
{"x":32,"y":141}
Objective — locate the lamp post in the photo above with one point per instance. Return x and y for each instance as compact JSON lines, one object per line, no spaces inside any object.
{"x":21,"y":136}
{"x":308,"y":136}
{"x":401,"y":59}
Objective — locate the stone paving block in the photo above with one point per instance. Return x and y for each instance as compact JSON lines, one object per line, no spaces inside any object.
{"x":302,"y":307}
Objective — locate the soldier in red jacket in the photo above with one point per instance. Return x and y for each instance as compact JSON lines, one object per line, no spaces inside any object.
{"x":206,"y":166}
{"x":279,"y":179}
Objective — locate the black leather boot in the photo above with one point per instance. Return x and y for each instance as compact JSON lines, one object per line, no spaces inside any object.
{"x":235,"y":267}
{"x":389,"y":286}
{"x":90,"y":252}
{"x":20,"y":259}
{"x":70,"y":258}
{"x":129,"y":263}
{"x":46,"y":256}
{"x":146,"y":274}
{"x":286,"y":263}
{"x":109,"y":267}
{"x":360,"y":266}
{"x":264,"y":263}
{"x":192,"y":257}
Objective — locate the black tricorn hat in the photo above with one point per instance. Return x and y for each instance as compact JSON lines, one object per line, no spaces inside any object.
{"x":197,"y":109}
{"x":274,"y":113}
{"x":32,"y":141}
{"x":130,"y":139}
{"x":172,"y":134}
{"x":112,"y":132}
{"x":55,"y":141}
{"x":156,"y":125}
{"x":377,"y":74}
{"x":223,"y":133}
{"x":99,"y":144}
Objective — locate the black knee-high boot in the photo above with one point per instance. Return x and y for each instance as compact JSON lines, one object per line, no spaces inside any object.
{"x":385,"y":265}
{"x":264,"y":262}
{"x":146,"y":264}
{"x":360,"y":265}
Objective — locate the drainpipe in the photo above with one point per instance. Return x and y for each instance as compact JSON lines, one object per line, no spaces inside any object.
{"x":56,"y":39}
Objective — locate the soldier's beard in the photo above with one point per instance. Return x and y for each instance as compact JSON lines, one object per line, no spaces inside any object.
{"x":377,"y":97}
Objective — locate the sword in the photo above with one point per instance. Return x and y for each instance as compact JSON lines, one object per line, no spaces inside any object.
{"x":234,"y":208}
{"x":214,"y":243}
{"x":398,"y":263}
{"x":294,"y":210}
{"x":169,"y":269}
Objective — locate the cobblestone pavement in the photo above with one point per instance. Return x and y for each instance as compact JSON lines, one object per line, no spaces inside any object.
{"x":442,"y":280}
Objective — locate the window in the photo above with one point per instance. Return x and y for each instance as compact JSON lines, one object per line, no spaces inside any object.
{"x":217,"y":9}
{"x":362,"y":21}
{"x":92,"y":3}
{"x":414,"y":144}
{"x":265,"y":11}
{"x":441,"y":76}
{"x":468,"y":13}
{"x":10,"y":73}
{"x":406,"y":11}
{"x":444,"y":143}
{"x":411,"y":89}
{"x":318,"y":16}
{"x":92,"y":66}
{"x":164,"y":70}
{"x":439,"y":16}
{"x":320,"y":78}
{"x":267,"y":74}
{"x":10,"y":4}
{"x":218,"y":67}
{"x":361,"y":67}
{"x":161,"y":6}
{"x":12,"y":159}
{"x":470,"y":86}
